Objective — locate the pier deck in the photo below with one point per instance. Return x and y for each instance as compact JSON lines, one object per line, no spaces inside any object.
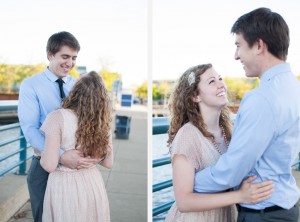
{"x":126,"y":182}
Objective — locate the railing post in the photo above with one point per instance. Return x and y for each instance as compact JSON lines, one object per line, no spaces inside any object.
{"x":23,"y":154}
{"x":299,"y":162}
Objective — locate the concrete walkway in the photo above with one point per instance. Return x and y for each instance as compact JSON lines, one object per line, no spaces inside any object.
{"x":126,"y":183}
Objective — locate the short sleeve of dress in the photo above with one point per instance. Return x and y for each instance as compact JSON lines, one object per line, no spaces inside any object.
{"x":53,"y":124}
{"x":185,"y":143}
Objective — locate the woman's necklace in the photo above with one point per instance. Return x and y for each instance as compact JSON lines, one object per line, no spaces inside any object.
{"x":217,"y":145}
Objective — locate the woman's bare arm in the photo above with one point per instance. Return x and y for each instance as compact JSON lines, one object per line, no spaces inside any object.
{"x":188,"y":201}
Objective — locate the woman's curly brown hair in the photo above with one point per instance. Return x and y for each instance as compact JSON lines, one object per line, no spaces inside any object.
{"x":89,"y":99}
{"x":183,"y":109}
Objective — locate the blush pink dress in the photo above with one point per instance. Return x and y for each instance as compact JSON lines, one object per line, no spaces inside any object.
{"x":72,"y":195}
{"x":200,"y":152}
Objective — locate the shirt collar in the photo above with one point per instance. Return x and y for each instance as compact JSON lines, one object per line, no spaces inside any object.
{"x":52,"y":77}
{"x":274,"y":71}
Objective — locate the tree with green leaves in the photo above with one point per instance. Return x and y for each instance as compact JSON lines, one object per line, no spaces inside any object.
{"x":142,"y":91}
{"x":164,"y":90}
{"x":7,"y":77}
{"x":11,"y":76}
{"x":155,"y":93}
{"x":237,"y":87}
{"x":109,"y":77}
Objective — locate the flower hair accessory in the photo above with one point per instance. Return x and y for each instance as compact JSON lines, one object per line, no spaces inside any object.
{"x":191,"y":78}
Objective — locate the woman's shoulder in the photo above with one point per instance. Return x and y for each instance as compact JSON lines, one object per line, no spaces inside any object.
{"x":60,"y":114}
{"x":53,"y":120}
{"x":65,"y":112}
{"x":54,"y":114}
{"x":188,"y":132}
{"x":187,"y":143}
{"x":188,"y":128}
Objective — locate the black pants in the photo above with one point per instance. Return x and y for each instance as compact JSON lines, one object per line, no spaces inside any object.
{"x":283,"y":215}
{"x":37,"y":182}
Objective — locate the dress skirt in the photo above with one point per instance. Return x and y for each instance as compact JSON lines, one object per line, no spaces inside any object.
{"x":76,"y":196}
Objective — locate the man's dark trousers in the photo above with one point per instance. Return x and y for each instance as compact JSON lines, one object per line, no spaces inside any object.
{"x":282,"y":215}
{"x":37,"y":183}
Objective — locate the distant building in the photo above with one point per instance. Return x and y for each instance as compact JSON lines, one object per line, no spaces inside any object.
{"x":81,"y":70}
{"x":168,"y":82}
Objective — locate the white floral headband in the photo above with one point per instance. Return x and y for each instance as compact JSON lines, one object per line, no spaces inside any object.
{"x":191,"y":78}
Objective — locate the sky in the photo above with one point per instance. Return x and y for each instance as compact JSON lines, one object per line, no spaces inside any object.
{"x":140,"y":39}
{"x":191,"y":32}
{"x":112,"y":33}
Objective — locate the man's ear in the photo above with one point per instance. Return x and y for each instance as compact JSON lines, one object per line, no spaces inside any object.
{"x":49,"y":54}
{"x":196,"y":99}
{"x":261,"y":46}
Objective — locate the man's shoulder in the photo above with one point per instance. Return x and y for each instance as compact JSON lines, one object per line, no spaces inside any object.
{"x":34,"y":78}
{"x":254,"y":95}
{"x":256,"y":102}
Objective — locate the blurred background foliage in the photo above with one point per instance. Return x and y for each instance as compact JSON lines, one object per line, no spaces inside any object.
{"x":11,"y":77}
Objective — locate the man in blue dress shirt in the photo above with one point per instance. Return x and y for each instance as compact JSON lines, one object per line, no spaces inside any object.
{"x":266,"y":135}
{"x":39,"y":95}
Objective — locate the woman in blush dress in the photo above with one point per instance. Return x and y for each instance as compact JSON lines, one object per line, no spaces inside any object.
{"x":199,"y":133}
{"x":83,"y":123}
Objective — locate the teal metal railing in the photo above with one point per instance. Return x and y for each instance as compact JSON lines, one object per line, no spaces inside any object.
{"x":21,"y":150}
{"x":160,"y":125}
